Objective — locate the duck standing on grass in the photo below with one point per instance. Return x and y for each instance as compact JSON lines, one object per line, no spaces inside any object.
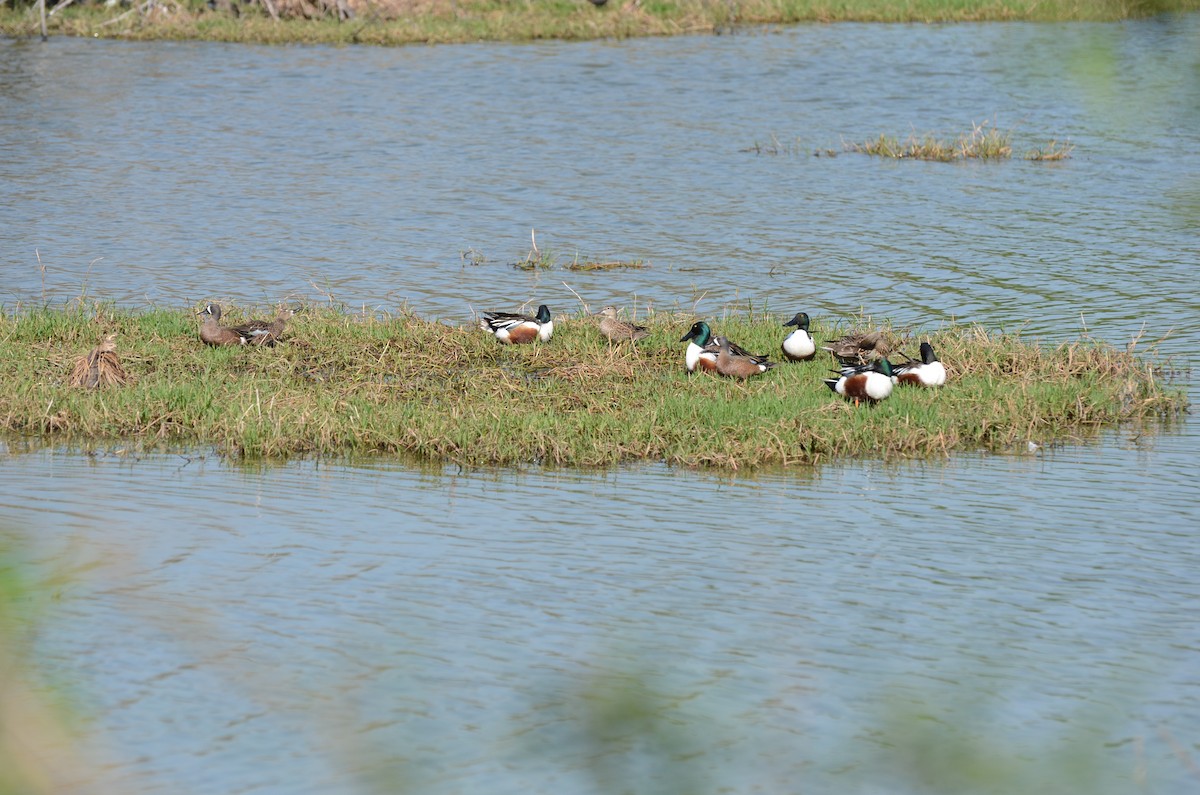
{"x":702,"y":351}
{"x":738,"y":365}
{"x":872,"y":382}
{"x":927,"y":372}
{"x":513,"y":329}
{"x":799,"y":346}
{"x":615,"y":330}
{"x":100,"y":367}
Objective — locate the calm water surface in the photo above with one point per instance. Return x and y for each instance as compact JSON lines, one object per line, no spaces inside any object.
{"x":320,"y":627}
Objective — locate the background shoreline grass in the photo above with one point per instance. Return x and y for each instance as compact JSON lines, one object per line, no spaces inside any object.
{"x":347,"y":385}
{"x":398,"y":22}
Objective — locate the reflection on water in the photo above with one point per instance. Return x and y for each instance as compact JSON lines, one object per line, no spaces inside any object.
{"x":316,"y":627}
{"x":442,"y":619}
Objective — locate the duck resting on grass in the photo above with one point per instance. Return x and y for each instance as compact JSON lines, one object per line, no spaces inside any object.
{"x":702,"y":351}
{"x":738,"y":365}
{"x":513,"y":329}
{"x":616,"y":330}
{"x":871,"y":382}
{"x":926,"y":372}
{"x":799,"y":346}
{"x":263,"y":332}
{"x":858,"y":346}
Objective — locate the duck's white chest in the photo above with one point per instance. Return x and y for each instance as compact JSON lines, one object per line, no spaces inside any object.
{"x":799,"y":344}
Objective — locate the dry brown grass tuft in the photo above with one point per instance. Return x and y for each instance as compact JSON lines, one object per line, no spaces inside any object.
{"x":100,"y":367}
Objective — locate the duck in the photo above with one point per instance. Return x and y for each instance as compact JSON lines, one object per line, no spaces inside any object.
{"x":926,"y":372}
{"x":100,"y":367}
{"x":872,"y":382}
{"x":702,"y":351}
{"x":513,"y":329}
{"x":799,"y":346}
{"x":738,"y":365}
{"x":262,"y":332}
{"x":616,"y":330}
{"x":858,"y":346}
{"x":213,"y":333}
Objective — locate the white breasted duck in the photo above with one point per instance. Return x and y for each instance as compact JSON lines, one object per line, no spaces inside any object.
{"x":927,"y":372}
{"x":872,"y":382}
{"x":702,"y":351}
{"x":799,"y":346}
{"x":513,"y":329}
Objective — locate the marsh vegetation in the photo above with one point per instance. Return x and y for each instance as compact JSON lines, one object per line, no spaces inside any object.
{"x":343,"y":384}
{"x":393,"y":22}
{"x":982,"y":142}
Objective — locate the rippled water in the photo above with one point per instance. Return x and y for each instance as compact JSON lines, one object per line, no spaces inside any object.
{"x":313,"y":627}
{"x":201,"y":170}
{"x":262,"y":626}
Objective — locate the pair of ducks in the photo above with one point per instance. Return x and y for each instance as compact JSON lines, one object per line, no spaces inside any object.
{"x":720,"y":355}
{"x":252,"y":332}
{"x":515,"y":329}
{"x":101,"y":366}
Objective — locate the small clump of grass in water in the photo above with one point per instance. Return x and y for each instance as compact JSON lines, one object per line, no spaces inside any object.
{"x":537,"y":261}
{"x":777,"y":148}
{"x":352,"y":383}
{"x":606,"y":265}
{"x":1052,"y":151}
{"x":982,"y":142}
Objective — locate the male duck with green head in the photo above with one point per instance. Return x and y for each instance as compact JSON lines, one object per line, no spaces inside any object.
{"x":703,"y":351}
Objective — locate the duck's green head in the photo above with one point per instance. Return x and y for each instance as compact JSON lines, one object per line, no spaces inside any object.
{"x":800,"y":321}
{"x":700,"y":333}
{"x":927,"y":355}
{"x":543,"y":315}
{"x":885,"y":367}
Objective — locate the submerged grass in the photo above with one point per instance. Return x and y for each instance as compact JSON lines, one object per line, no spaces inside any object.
{"x":344,"y":384}
{"x":391,"y":22}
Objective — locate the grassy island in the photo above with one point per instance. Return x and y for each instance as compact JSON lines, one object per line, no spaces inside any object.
{"x":344,"y":384}
{"x":394,"y":22}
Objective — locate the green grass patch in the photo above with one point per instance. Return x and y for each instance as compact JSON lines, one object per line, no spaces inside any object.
{"x":345,"y":384}
{"x":394,"y":22}
{"x":982,"y":142}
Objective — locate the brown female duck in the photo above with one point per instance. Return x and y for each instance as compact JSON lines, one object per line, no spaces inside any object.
{"x":616,"y":330}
